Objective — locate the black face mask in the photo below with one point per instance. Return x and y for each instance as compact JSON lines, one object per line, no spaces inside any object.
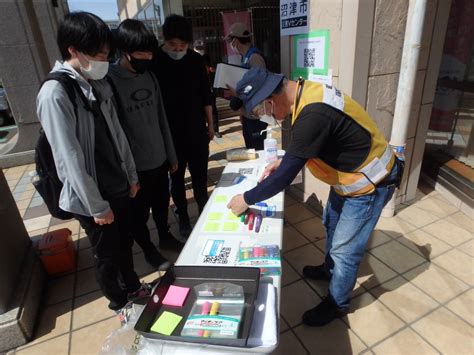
{"x":140,"y":65}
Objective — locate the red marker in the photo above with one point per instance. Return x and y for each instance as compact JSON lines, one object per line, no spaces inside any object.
{"x":247,"y":216}
{"x":251,"y":220}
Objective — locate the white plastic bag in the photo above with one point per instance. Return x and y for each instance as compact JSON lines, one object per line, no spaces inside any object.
{"x":125,"y":340}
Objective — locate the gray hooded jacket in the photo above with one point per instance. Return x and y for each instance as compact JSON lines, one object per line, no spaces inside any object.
{"x":143,"y":117}
{"x":72,"y":141}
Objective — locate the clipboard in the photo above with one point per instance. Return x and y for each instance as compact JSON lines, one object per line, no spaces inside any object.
{"x":228,"y":74}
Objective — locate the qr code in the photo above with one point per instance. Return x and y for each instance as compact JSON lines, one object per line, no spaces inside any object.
{"x":222,"y":258}
{"x":309,"y":57}
{"x":245,"y":171}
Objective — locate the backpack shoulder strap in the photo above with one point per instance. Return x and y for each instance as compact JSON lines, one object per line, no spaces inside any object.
{"x":72,"y":88}
{"x":155,"y":80}
{"x":115,"y":97}
{"x":114,"y":88}
{"x":66,"y":84}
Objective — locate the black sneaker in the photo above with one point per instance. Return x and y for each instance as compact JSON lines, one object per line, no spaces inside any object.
{"x":318,"y":272}
{"x":217,"y":135}
{"x":169,"y":242}
{"x":185,"y":228}
{"x":158,"y":261}
{"x":323,"y":313}
{"x":144,"y":291}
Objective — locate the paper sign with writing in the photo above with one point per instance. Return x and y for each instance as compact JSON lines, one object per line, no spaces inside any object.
{"x":294,"y":17}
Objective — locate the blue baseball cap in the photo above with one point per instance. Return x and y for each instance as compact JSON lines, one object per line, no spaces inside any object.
{"x":256,"y":85}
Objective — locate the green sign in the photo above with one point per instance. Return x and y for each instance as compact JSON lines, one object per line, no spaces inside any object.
{"x":310,"y":54}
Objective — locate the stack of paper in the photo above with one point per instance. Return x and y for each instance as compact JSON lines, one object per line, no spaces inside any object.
{"x":227,"y":74}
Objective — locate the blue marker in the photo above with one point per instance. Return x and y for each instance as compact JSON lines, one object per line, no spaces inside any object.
{"x":268,"y":211}
{"x":271,"y":211}
{"x":274,"y":251}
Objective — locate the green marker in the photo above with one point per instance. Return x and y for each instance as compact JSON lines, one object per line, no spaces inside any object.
{"x":242,"y":217}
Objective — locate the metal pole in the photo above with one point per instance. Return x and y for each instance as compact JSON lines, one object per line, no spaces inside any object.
{"x":406,"y":84}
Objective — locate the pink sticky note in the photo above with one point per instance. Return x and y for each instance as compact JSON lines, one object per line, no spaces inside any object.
{"x":176,"y":296}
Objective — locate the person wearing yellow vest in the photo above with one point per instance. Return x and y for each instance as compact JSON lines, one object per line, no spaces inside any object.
{"x":341,"y":145}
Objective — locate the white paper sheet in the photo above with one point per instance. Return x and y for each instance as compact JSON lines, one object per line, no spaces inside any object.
{"x":228,"y":75}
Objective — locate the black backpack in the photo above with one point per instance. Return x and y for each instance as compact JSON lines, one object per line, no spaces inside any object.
{"x":47,"y":183}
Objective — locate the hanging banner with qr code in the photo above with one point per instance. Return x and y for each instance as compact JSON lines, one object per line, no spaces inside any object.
{"x":311,"y":53}
{"x":293,"y":17}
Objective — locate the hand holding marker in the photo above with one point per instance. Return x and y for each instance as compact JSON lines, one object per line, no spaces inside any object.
{"x":253,"y":220}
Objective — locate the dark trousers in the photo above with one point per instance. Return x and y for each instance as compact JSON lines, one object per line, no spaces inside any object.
{"x":112,"y":250}
{"x":154,"y":193}
{"x":251,"y":129}
{"x":215,"y":115}
{"x":195,"y":156}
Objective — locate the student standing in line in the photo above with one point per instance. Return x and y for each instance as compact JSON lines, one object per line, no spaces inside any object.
{"x":91,"y":153}
{"x":188,"y":103}
{"x":211,"y":71}
{"x":143,"y":119}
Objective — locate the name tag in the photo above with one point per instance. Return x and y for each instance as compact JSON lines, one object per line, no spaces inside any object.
{"x":333,"y":97}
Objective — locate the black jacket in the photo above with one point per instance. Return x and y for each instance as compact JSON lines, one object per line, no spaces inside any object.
{"x":186,"y":90}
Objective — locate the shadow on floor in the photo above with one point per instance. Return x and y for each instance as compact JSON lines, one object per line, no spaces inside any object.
{"x":231,"y":130}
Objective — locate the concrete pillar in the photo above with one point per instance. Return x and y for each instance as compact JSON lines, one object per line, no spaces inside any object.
{"x":27,"y":52}
{"x":356,"y":31}
{"x":21,"y":275}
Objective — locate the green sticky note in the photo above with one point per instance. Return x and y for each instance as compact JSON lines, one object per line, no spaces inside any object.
{"x":231,"y":226}
{"x":166,"y":324}
{"x":214,"y":216}
{"x":220,"y":199}
{"x":211,"y":227}
{"x":233,"y":217}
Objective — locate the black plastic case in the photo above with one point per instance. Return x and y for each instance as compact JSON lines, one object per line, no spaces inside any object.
{"x":190,"y":276}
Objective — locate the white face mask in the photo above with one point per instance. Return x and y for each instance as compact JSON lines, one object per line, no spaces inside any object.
{"x":266,"y":118}
{"x":97,"y":69}
{"x":233,"y":47}
{"x":174,"y":55}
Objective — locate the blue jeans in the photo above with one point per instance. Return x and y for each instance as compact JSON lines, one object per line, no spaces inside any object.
{"x":349,"y":222}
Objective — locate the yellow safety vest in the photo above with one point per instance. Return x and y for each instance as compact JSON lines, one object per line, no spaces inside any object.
{"x":380,"y":159}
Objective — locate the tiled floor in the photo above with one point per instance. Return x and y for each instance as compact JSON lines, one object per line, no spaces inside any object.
{"x":413,"y":294}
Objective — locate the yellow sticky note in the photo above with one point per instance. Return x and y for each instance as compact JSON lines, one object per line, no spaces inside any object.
{"x":220,"y":199}
{"x":233,"y":217}
{"x":231,"y":226}
{"x":214,"y":216}
{"x":166,"y":324}
{"x":211,"y":227}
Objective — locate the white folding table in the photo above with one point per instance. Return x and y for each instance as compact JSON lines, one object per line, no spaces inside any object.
{"x":217,"y":223}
